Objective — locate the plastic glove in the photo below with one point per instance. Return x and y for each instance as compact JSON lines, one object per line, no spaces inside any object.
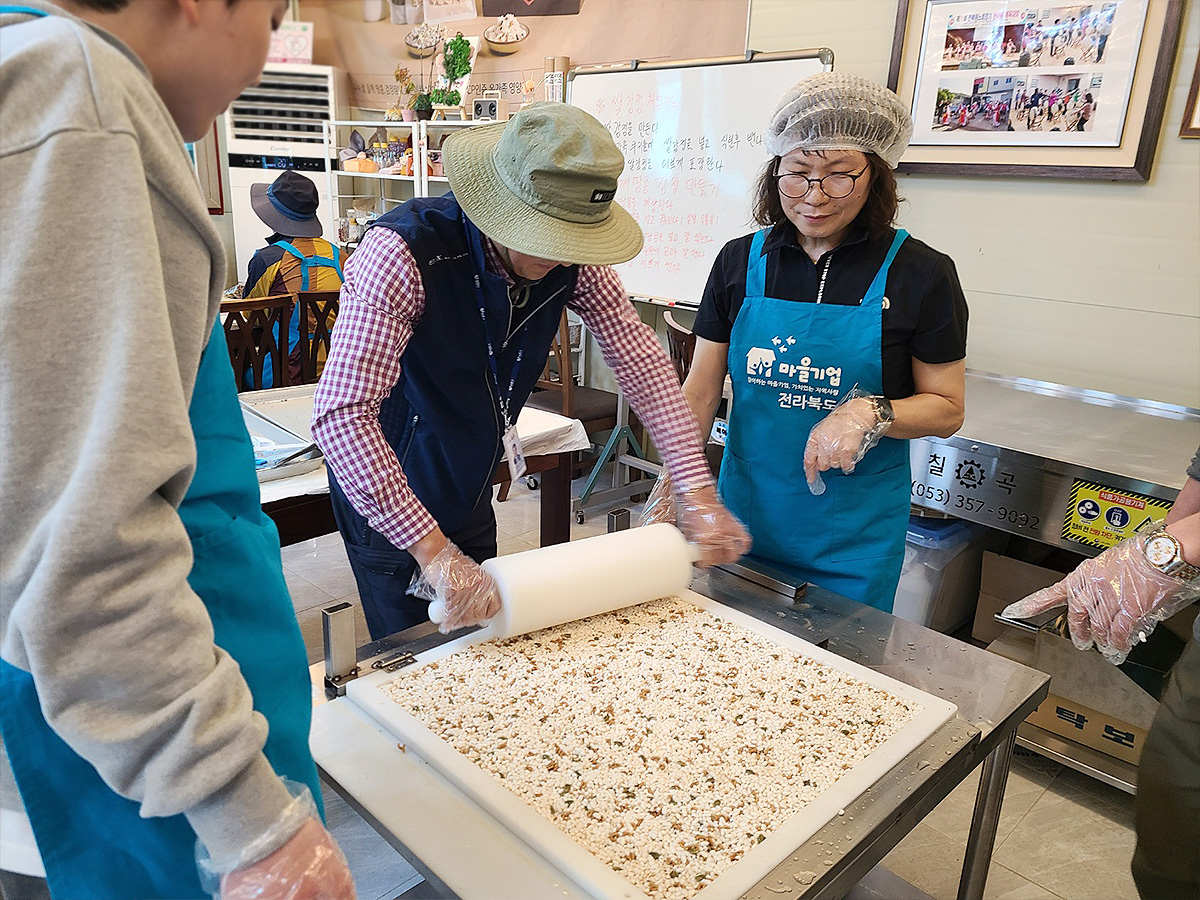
{"x":706,"y":522}
{"x":842,"y":438}
{"x":308,"y":865}
{"x":660,"y":505}
{"x":1113,"y":600}
{"x":467,"y":595}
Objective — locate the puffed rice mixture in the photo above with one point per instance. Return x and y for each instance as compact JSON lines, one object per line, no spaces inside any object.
{"x":665,"y":740}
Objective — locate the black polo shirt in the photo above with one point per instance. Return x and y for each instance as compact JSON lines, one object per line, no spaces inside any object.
{"x":926,"y":314}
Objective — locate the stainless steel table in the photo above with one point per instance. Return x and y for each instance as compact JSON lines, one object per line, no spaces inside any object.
{"x":1015,"y":465}
{"x":993,"y":696}
{"x":1026,"y":444}
{"x":463,"y":852}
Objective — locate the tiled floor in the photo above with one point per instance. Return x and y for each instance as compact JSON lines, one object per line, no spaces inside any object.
{"x":1061,"y":834}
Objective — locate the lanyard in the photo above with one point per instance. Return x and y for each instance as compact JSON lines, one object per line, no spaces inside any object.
{"x":824,"y":275}
{"x":502,"y":396}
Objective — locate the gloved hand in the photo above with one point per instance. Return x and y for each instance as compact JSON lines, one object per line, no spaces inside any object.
{"x":660,"y":505}
{"x":705,"y":521}
{"x":307,"y":866}
{"x":842,"y":438}
{"x":467,"y":594}
{"x":1113,"y":600}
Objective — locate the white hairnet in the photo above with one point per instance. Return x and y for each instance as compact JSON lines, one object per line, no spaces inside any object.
{"x":836,"y":111}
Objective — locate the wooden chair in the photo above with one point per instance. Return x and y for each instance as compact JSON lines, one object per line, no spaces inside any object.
{"x":557,"y":392}
{"x":681,"y":343}
{"x":318,"y":309}
{"x":251,"y":326}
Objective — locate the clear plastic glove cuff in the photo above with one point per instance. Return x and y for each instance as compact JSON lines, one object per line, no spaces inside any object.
{"x":427,"y":580}
{"x":300,"y":810}
{"x":660,"y":505}
{"x":842,"y":439}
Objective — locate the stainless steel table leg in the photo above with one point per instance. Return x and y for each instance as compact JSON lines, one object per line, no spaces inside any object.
{"x":982,"y":837}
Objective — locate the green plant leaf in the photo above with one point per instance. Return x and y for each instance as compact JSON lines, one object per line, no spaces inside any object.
{"x":456,"y":58}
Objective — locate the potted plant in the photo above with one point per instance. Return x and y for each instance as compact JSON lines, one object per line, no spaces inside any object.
{"x":456,"y":65}
{"x":422,"y":105}
{"x":403,"y":108}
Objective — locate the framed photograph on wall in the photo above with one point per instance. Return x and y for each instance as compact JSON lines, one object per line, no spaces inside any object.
{"x":1191,"y":110}
{"x":206,"y":157}
{"x":1035,"y":88}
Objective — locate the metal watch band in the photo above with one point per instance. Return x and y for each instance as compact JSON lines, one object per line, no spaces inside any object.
{"x":1178,"y":567}
{"x":883,"y":410}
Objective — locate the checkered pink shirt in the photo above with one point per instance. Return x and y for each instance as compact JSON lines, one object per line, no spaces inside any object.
{"x":381,"y":302}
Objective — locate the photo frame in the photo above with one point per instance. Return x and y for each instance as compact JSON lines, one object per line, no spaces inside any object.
{"x":206,"y":157}
{"x":1191,"y":110}
{"x":1041,"y":88}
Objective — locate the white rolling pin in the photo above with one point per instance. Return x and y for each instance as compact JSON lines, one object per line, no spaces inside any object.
{"x":561,"y":583}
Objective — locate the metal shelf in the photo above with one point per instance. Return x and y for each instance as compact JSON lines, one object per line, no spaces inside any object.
{"x":420,"y":181}
{"x":381,"y":176}
{"x":1101,"y":766}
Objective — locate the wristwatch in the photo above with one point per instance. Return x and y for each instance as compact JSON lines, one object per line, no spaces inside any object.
{"x":1165,"y":553}
{"x":884,"y":414}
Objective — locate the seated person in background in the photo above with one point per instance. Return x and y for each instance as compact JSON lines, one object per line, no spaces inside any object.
{"x":296,"y":257}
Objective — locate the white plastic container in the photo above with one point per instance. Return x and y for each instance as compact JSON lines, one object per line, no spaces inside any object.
{"x":939,"y":583}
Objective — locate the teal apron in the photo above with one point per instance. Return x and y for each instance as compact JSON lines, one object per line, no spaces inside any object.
{"x":93,"y":842}
{"x":306,"y":264}
{"x":790,"y":363}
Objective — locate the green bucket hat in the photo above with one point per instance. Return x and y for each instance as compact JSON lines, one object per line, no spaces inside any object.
{"x":543,"y":184}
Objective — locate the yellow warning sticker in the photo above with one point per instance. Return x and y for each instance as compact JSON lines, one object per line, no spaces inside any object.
{"x":1102,"y":517}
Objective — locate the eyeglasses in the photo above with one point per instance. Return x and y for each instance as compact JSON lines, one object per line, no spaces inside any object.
{"x":836,"y":186}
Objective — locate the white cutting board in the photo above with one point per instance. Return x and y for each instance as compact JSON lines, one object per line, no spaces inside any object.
{"x":591,"y":873}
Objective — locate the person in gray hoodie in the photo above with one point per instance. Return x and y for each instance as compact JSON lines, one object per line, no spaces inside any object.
{"x":152,"y":673}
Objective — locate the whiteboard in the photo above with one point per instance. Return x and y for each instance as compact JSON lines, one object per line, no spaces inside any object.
{"x":691,"y":133}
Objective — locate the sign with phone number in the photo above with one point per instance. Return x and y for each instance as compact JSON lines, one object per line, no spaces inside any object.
{"x":976,"y":487}
{"x":987,"y":486}
{"x":962,"y":504}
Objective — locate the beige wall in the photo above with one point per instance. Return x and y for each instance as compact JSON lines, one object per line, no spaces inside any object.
{"x":1091,"y":284}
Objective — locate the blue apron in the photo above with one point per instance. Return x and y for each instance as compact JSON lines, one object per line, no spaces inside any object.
{"x":93,"y":842}
{"x":789,"y":363}
{"x":307,"y":263}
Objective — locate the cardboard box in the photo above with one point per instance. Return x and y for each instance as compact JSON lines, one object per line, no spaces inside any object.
{"x":1089,"y":727}
{"x":1004,"y":581}
{"x":1068,"y":718}
{"x":1089,"y":679}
